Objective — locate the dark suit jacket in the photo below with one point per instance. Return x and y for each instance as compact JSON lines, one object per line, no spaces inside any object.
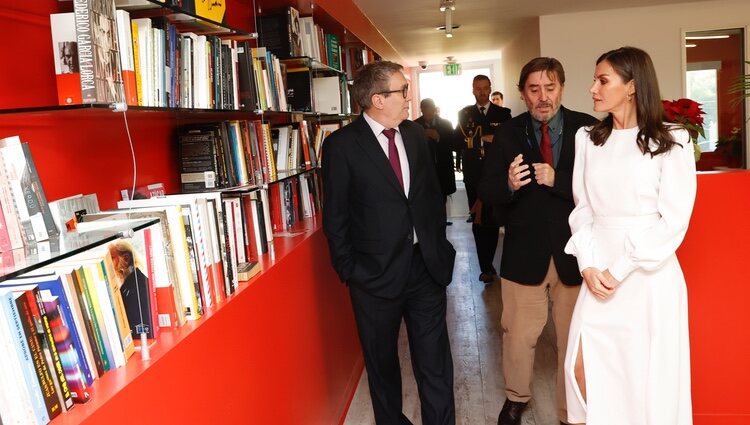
{"x":536,"y":216}
{"x":368,"y":219}
{"x":470,"y":117}
{"x":441,"y":151}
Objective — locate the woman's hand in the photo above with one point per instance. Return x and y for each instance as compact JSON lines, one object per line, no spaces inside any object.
{"x":599,"y":283}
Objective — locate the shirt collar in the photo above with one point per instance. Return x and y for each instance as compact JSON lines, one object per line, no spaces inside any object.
{"x":376,"y":127}
{"x":555,"y":123}
{"x":486,"y":106}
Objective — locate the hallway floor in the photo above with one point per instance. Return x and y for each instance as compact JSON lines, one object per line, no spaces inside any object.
{"x":474,"y":325}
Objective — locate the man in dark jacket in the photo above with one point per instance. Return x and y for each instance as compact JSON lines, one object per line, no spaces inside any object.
{"x":384,"y":218}
{"x":476,"y":125}
{"x":440,"y":141}
{"x":528,"y":173}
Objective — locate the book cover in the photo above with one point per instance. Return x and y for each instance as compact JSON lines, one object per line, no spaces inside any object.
{"x":26,"y":397}
{"x":199,"y":162}
{"x":127,"y":59}
{"x":65,"y":53}
{"x":248,"y":89}
{"x":247,"y":270}
{"x":98,"y":51}
{"x":68,"y":341}
{"x":127,"y":277}
{"x":280,"y":33}
{"x":33,"y":326}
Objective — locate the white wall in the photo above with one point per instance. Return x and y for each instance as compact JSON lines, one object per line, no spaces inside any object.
{"x":577,"y":40}
{"x":515,"y":55}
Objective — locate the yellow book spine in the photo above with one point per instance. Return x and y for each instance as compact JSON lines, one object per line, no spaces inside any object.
{"x":137,"y":62}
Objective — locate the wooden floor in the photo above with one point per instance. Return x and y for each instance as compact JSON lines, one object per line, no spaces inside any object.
{"x":474,"y":325}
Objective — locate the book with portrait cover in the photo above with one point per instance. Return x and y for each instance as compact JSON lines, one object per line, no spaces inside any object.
{"x":98,"y":51}
{"x":65,"y":53}
{"x":280,"y":33}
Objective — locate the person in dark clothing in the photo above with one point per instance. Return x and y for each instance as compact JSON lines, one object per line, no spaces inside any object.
{"x":528,"y":173}
{"x":440,"y":141}
{"x":476,"y":125}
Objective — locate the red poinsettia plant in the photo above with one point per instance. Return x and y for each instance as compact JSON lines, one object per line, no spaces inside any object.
{"x":689,"y":114}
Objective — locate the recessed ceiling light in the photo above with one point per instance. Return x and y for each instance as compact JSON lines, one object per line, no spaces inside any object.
{"x":706,"y":37}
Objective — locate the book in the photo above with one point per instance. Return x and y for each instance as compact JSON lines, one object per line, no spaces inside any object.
{"x":65,"y":53}
{"x":127,"y":59}
{"x":26,"y":398}
{"x":199,"y":159}
{"x":67,"y":338}
{"x":280,"y":33}
{"x":247,"y":270}
{"x":98,"y":51}
{"x":143,"y":192}
{"x":34,"y":215}
{"x":327,"y":95}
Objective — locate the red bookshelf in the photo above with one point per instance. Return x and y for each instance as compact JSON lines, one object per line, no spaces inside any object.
{"x":283,"y":349}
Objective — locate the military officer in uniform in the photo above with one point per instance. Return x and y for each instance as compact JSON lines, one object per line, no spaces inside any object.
{"x":476,"y":126}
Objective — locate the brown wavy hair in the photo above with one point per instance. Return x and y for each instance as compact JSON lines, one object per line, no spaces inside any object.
{"x":634,"y":64}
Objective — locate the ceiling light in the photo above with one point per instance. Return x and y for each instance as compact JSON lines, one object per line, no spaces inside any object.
{"x":706,"y":37}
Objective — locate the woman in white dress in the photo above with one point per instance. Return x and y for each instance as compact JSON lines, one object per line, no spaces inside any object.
{"x":628,"y":358}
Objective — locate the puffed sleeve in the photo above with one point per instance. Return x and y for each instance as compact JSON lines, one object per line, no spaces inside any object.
{"x":649,"y":248}
{"x":581,"y":219}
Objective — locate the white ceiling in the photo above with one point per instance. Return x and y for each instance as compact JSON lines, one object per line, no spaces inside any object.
{"x":486,"y":25}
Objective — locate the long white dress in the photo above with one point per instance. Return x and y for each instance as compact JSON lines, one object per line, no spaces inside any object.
{"x":631,"y":214}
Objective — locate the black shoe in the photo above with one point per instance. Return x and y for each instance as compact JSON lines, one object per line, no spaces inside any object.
{"x":511,"y":413}
{"x":470,"y":219}
{"x":449,"y":223}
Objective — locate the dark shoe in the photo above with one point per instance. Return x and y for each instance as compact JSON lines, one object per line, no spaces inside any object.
{"x":488,"y":277}
{"x":511,"y":413}
{"x":470,"y":219}
{"x":449,"y":223}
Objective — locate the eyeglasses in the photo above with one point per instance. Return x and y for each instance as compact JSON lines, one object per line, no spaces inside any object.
{"x":404,"y":91}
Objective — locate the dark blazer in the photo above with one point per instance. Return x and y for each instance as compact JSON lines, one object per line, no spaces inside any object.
{"x":470,"y":117}
{"x":536,"y":216}
{"x":369,"y":221}
{"x":441,"y":151}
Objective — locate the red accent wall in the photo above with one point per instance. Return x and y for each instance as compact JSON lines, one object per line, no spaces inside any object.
{"x":714,"y":258}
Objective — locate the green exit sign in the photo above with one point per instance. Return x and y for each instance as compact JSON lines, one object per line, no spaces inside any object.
{"x":451,"y":69}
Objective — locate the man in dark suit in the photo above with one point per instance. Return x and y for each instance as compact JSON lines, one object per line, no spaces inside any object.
{"x":476,"y":125}
{"x":528,"y":172}
{"x":384,"y":218}
{"x":440,"y":141}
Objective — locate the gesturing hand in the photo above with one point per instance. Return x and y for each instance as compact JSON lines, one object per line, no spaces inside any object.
{"x":602,"y":285}
{"x":518,"y":173}
{"x":432,"y":134}
{"x":544,"y":174}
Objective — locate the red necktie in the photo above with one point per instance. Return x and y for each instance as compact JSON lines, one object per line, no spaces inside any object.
{"x":546,"y":145}
{"x":393,"y":157}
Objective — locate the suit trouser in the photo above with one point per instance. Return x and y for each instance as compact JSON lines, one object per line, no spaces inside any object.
{"x":472,"y":172}
{"x":485,"y":239}
{"x":524,"y":316}
{"x":422,"y":305}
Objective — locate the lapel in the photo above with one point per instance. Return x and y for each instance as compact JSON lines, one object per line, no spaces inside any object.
{"x":567,"y":148}
{"x":410,"y":145}
{"x":368,"y":142}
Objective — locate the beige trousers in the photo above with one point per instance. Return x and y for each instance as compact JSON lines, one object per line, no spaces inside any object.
{"x":524,"y":316}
